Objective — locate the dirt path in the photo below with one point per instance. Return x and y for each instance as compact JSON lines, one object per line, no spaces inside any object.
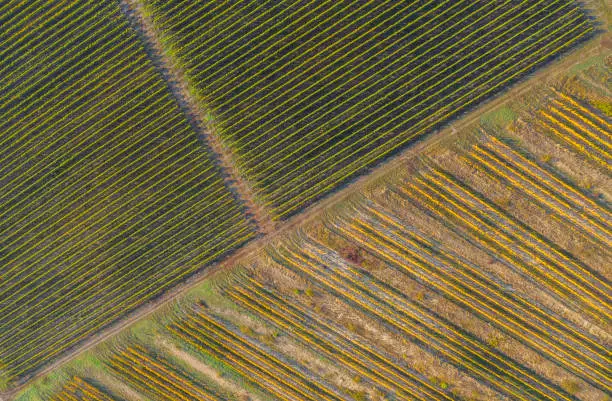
{"x":174,"y":75}
{"x":554,"y":70}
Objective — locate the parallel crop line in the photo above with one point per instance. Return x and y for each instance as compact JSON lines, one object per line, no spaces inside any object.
{"x":48,"y":177}
{"x":164,"y":367}
{"x":295,"y":49}
{"x":287,"y":174}
{"x":182,"y":385}
{"x":493,"y":165}
{"x":254,"y":360}
{"x":122,"y":363}
{"x":201,"y":26}
{"x":136,"y":298}
{"x":494,"y":307}
{"x":260,"y":355}
{"x":578,"y":197}
{"x":54,"y":54}
{"x":289,"y":206}
{"x":235,"y":26}
{"x":392,"y":298}
{"x":203,"y":344}
{"x":580,"y":148}
{"x":88,"y":388}
{"x":594,"y":346}
{"x":532,"y":252}
{"x":57,"y":101}
{"x":576,"y":113}
{"x":586,"y":111}
{"x":220,"y":205}
{"x":363,"y":101}
{"x":179,"y":10}
{"x":340,"y":347}
{"x":256,"y":48}
{"x":490,"y":240}
{"x":6,"y":9}
{"x":298,"y":67}
{"x":92,"y":117}
{"x":125,"y":267}
{"x":507,"y":221}
{"x":101,"y":60}
{"x":247,"y":45}
{"x":102,"y":216}
{"x":59,"y":197}
{"x":389,"y":315}
{"x":328,"y":87}
{"x":579,"y":141}
{"x":25,"y":40}
{"x":566,"y":113}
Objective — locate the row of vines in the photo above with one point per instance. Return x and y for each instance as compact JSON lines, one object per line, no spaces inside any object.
{"x":310,"y":94}
{"x":432,"y":286}
{"x":107,"y":196}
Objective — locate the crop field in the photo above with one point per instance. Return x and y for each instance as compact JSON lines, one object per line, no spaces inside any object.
{"x":107,"y":196}
{"x":308,"y":94}
{"x":157,"y":377}
{"x":81,"y":390}
{"x":479,"y":270}
{"x":282,"y":377}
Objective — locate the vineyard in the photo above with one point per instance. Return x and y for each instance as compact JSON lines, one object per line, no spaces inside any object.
{"x":309,"y":94}
{"x":163,"y":232}
{"x":81,"y":390}
{"x":477,"y":271}
{"x":157,"y":377}
{"x":107,"y":196}
{"x":281,"y":377}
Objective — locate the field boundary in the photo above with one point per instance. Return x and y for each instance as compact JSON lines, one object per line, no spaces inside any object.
{"x":549,"y":72}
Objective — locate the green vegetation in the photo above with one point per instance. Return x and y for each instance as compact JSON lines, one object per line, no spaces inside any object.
{"x":310,"y":94}
{"x":107,"y":198}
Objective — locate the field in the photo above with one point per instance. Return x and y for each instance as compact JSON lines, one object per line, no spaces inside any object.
{"x":185,"y":214}
{"x":307,"y":95}
{"x":478,"y":270}
{"x":107,"y":196}
{"x":80,"y":389}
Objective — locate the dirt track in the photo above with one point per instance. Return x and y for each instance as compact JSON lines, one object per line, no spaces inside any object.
{"x":177,"y":83}
{"x":271,"y":230}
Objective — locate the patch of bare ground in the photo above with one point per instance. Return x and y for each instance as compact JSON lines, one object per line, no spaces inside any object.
{"x":199,"y":366}
{"x":371,"y":331}
{"x":559,"y":232}
{"x":524,"y":209}
{"x":179,"y":86}
{"x":499,"y":271}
